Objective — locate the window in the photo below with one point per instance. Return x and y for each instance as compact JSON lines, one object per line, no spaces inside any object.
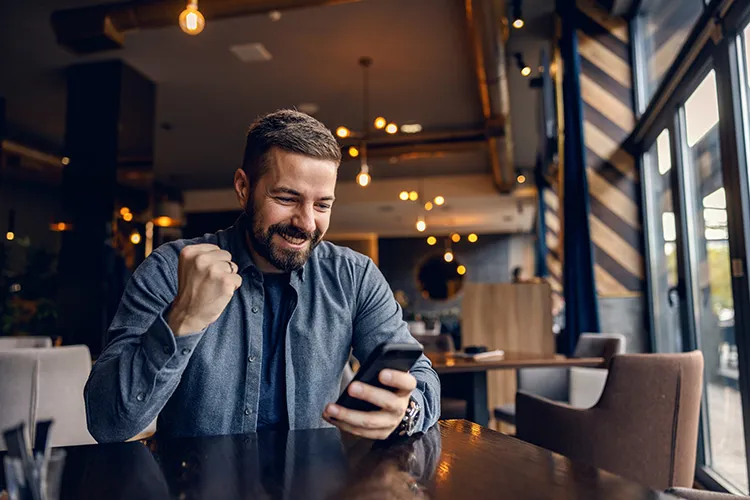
{"x":662,"y":26}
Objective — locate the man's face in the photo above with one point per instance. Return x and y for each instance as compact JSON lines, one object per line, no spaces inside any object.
{"x":290,"y":208}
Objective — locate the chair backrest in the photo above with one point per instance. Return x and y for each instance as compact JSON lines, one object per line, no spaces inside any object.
{"x":436,"y":343}
{"x":644,"y":427}
{"x":61,"y":374}
{"x":17,"y":387}
{"x":24,"y":342}
{"x":600,"y":345}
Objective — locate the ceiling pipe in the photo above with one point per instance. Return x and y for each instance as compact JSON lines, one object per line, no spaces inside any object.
{"x":97,"y":28}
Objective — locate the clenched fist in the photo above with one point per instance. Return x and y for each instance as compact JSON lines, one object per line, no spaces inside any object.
{"x":207,"y":279}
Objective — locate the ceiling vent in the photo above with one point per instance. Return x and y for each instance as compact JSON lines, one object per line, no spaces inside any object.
{"x":251,"y":52}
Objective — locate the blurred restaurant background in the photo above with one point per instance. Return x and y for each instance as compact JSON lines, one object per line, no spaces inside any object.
{"x":594,"y":152}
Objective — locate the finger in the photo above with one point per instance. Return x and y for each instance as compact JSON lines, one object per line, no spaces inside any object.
{"x":365,"y":420}
{"x":358,"y":431}
{"x":234,"y":280}
{"x":403,"y":381}
{"x":382,"y":398}
{"x":199,"y":248}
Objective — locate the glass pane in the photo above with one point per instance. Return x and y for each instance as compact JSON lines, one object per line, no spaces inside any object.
{"x":662,"y":239}
{"x":664,"y":27}
{"x":725,"y":446}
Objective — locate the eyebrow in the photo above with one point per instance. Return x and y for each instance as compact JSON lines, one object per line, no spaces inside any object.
{"x":290,"y":191}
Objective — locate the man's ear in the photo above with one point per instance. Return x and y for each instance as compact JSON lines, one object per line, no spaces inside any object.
{"x":242,"y":188}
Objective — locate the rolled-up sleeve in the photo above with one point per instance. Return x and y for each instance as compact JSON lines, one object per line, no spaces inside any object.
{"x":141,"y":367}
{"x":378,"y":319}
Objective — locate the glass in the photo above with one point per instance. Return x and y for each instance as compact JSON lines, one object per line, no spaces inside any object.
{"x":725,"y":443}
{"x":16,"y":478}
{"x":663,"y":243}
{"x":663,"y":27}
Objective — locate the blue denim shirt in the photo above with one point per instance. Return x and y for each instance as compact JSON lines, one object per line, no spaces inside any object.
{"x":208,"y":383}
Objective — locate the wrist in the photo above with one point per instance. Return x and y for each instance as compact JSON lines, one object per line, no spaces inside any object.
{"x":180,"y":322}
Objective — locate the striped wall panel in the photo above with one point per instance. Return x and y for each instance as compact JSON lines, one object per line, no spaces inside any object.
{"x":552,"y":235}
{"x":614,"y":184}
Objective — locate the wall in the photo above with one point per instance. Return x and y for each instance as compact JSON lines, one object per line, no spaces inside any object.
{"x":489,"y":260}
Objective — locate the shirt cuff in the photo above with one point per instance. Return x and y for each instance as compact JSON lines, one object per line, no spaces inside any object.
{"x":161,"y":345}
{"x":421,"y":419}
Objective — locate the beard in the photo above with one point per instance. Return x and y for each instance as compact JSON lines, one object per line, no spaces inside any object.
{"x":283,"y":259}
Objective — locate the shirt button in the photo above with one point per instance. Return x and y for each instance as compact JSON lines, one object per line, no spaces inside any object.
{"x":248,"y":411}
{"x":250,"y":359}
{"x":186,"y":350}
{"x":255,"y":309}
{"x":140,"y":396}
{"x":166,"y":349}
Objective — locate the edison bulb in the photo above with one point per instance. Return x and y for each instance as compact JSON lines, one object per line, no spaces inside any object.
{"x":518,"y":23}
{"x":379,"y":122}
{"x":431,"y":240}
{"x":192,"y":21}
{"x":127,"y":217}
{"x":10,"y":236}
{"x":421,"y":226}
{"x":343,"y":132}
{"x":448,"y":256}
{"x":413,"y":195}
{"x":455,"y":237}
{"x":526,"y":71}
{"x":403,"y":195}
{"x":135,"y":238}
{"x":391,"y":128}
{"x":439,"y":200}
{"x":428,"y":206}
{"x":472,"y":238}
{"x":521,"y":179}
{"x":461,"y":270}
{"x":363,"y":179}
{"x":353,"y":152}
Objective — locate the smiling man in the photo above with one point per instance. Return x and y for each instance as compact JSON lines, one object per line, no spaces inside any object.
{"x":250,"y":328}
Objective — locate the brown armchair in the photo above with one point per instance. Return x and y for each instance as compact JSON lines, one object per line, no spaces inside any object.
{"x":644,"y":427}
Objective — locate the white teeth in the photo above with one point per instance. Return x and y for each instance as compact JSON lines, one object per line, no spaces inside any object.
{"x":294,"y":241}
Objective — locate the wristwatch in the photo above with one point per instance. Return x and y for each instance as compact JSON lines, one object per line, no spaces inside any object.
{"x":408,"y":424}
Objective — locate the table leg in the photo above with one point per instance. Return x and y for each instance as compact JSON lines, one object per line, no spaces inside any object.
{"x":476,"y":397}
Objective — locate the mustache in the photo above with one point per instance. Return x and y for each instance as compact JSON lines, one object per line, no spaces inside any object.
{"x":293,"y":232}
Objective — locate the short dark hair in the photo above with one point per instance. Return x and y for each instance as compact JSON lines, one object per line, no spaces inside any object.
{"x":288,"y":130}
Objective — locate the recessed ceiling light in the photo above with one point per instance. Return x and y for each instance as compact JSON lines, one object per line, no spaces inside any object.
{"x":411,"y":128}
{"x":251,"y":52}
{"x":308,"y":107}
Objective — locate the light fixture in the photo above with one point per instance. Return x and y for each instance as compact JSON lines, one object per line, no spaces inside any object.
{"x":192,"y":21}
{"x":431,"y":240}
{"x":391,"y":128}
{"x":448,"y":256}
{"x":516,"y":15}
{"x":10,"y":236}
{"x":455,"y":237}
{"x":127,"y":217}
{"x":428,"y":206}
{"x":521,"y":178}
{"x":379,"y":122}
{"x":165,"y":221}
{"x":472,"y":238}
{"x":124,"y":210}
{"x":65,"y":160}
{"x":135,"y":237}
{"x":403,"y":196}
{"x":439,"y":200}
{"x":522,"y":66}
{"x":461,"y":270}
{"x":59,"y":227}
{"x":411,"y":128}
{"x":421,"y":224}
{"x":343,"y":132}
{"x":413,"y":195}
{"x":353,"y":152}
{"x":363,"y":177}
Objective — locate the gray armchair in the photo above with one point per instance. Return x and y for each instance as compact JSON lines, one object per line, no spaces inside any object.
{"x":17,"y":385}
{"x":24,"y":342}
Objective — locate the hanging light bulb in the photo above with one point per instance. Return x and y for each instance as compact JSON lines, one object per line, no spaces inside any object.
{"x":455,"y":237}
{"x":461,"y":270}
{"x":421,"y":224}
{"x":403,"y":195}
{"x":431,"y":240}
{"x":448,"y":255}
{"x":439,"y":200}
{"x":353,"y":152}
{"x":135,"y":237}
{"x":10,"y":236}
{"x":192,"y":21}
{"x":379,"y":122}
{"x":472,"y":238}
{"x":413,"y":195}
{"x":391,"y":128}
{"x":127,"y":217}
{"x":343,"y":132}
{"x":521,"y":178}
{"x":428,"y":206}
{"x":363,"y":178}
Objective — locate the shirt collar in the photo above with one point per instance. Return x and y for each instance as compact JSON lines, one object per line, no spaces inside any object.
{"x":237,"y":236}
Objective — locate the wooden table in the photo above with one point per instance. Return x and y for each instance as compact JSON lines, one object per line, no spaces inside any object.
{"x":467,"y":379}
{"x":455,"y":459}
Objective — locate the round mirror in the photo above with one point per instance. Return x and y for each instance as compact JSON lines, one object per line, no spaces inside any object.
{"x":438,"y":279}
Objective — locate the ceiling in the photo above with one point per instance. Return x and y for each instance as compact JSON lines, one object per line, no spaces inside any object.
{"x":206,"y":97}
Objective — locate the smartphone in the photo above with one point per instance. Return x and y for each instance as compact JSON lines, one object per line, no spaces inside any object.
{"x":399,"y":357}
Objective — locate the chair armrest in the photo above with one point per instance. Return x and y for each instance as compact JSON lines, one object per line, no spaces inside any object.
{"x":586,"y":386}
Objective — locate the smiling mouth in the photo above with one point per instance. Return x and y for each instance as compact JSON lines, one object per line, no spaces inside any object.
{"x":293,"y":241}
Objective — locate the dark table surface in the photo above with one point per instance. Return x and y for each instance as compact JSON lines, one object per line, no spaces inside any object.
{"x":455,"y":459}
{"x":449,"y":363}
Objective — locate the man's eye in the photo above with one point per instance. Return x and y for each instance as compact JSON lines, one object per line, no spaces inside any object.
{"x":285,"y":200}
